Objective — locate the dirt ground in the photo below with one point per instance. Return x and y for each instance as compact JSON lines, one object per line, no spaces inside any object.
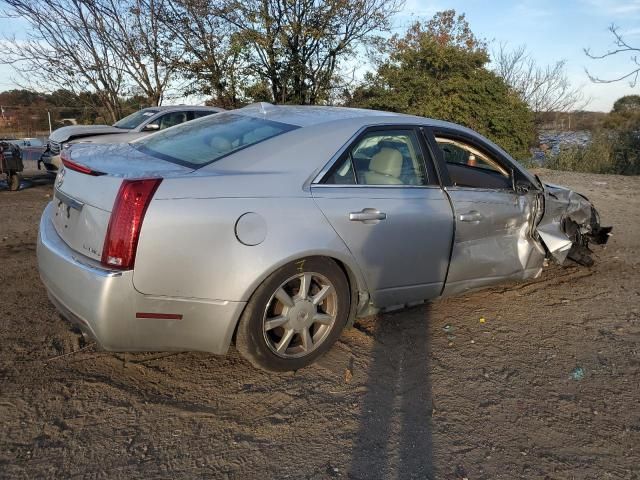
{"x":547,"y":386}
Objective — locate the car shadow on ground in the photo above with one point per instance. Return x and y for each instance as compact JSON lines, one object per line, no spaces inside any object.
{"x":395,"y":434}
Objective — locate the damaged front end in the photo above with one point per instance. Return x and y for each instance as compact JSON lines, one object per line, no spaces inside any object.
{"x":569,"y":223}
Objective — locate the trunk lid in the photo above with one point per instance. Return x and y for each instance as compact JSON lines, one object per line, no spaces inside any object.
{"x":84,"y":201}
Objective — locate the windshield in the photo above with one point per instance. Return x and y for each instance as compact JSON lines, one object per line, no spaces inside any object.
{"x":199,"y":142}
{"x":135,"y":119}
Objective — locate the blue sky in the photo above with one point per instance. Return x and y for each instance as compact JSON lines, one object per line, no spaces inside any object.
{"x":552,"y":30}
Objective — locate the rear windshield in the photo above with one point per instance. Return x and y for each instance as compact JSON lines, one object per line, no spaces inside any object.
{"x":135,"y":119}
{"x":200,"y":142}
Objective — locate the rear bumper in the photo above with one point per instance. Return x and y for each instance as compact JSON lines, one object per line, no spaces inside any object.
{"x":104,"y":304}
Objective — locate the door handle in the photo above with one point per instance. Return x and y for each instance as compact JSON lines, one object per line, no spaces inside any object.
{"x":367,"y":215}
{"x":472,"y":217}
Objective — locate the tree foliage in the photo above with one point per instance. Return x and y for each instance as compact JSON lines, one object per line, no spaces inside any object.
{"x":440,"y":70}
{"x":107,"y":47}
{"x":212,"y":62}
{"x":296,"y":46}
{"x":615,"y":144}
{"x":627,"y":104}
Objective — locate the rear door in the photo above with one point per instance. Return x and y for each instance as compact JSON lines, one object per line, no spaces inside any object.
{"x":382,"y":198}
{"x":494,"y":222}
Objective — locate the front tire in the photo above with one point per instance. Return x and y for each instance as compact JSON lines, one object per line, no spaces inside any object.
{"x":295,"y":315}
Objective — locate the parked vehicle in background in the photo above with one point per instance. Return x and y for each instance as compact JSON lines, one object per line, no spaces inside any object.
{"x":277,"y":225}
{"x":11,"y":163}
{"x":24,"y":142}
{"x":136,"y":125}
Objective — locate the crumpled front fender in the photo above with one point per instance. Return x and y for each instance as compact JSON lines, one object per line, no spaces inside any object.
{"x":569,"y":222}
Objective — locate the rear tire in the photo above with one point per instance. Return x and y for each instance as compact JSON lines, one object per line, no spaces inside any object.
{"x":295,"y":315}
{"x":14,"y":181}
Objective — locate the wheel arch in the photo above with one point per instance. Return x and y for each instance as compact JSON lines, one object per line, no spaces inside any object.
{"x":357,"y":285}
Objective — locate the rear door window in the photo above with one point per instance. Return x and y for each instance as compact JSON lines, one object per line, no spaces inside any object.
{"x":387,"y":157}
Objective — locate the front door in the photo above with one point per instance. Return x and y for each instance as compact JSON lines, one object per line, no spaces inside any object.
{"x":393,"y":217}
{"x":494,"y":223}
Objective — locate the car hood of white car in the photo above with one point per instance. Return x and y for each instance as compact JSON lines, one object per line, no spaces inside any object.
{"x":75,"y":131}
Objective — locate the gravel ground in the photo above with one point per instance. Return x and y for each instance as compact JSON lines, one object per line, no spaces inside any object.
{"x":529,"y":380}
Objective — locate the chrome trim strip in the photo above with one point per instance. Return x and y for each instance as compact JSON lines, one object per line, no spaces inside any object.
{"x":67,"y":200}
{"x":361,"y":185}
{"x":456,"y":188}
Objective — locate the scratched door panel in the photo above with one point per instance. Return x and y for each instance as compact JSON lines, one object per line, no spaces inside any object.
{"x":493,"y":238}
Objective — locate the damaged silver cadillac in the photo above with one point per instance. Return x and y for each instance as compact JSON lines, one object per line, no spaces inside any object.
{"x":275,"y":226}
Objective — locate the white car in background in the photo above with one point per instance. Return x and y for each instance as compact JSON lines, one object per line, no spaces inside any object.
{"x":136,"y":125}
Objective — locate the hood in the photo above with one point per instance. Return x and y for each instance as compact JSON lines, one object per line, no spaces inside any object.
{"x":75,"y":131}
{"x":123,"y":160}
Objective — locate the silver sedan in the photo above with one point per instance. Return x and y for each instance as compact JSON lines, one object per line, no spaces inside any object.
{"x":276,"y":226}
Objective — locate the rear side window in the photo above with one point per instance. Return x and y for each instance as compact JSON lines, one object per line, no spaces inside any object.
{"x":200,"y":142}
{"x":172,"y":119}
{"x":389,"y":157}
{"x":201,"y":113}
{"x":135,"y":119}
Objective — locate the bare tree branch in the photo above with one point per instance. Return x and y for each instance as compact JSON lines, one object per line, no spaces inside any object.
{"x":64,"y":51}
{"x":297,"y":46}
{"x":544,"y":89}
{"x":212,"y":62}
{"x":622,"y":47}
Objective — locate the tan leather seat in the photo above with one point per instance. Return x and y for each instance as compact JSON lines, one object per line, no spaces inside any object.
{"x":385,"y":168}
{"x":220,"y":145}
{"x":257,"y":135}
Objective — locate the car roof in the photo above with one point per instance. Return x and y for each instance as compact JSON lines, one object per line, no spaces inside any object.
{"x":309,"y":115}
{"x":351,"y":119}
{"x":165,"y":108}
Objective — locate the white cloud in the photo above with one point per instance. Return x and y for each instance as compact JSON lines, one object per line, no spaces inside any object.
{"x":416,"y":10}
{"x":421,"y":8}
{"x":614,"y":9}
{"x":631,"y":32}
{"x":531,"y":10}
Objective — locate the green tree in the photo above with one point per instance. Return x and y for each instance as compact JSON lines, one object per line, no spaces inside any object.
{"x":627,"y":104}
{"x":625,"y":114}
{"x":439,"y":70}
{"x":297,"y":47}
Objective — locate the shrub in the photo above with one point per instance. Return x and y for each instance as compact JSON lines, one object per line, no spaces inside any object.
{"x":597,"y":157}
{"x":610,"y":151}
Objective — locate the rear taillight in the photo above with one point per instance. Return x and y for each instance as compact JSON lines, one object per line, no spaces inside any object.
{"x":131,"y":204}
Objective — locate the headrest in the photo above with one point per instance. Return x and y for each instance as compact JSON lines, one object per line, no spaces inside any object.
{"x":388,"y":161}
{"x":258,"y":134}
{"x":220,"y":144}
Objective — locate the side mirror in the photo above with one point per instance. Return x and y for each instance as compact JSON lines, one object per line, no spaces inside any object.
{"x":522,"y":186}
{"x":152,"y":127}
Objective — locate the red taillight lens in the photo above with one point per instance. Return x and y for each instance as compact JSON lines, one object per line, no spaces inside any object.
{"x":76,"y":167}
{"x":131,"y":204}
